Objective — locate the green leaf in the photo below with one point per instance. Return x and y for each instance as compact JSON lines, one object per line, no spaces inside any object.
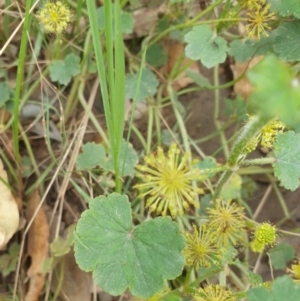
{"x":198,"y":78}
{"x":156,"y":56}
{"x":147,"y":86}
{"x":243,"y":50}
{"x":286,"y":8}
{"x":8,"y":262}
{"x":232,"y":189}
{"x":287,"y":41}
{"x":236,"y":108}
{"x":91,"y":156}
{"x":94,"y":155}
{"x":249,"y":186}
{"x":122,"y":256}
{"x":63,"y":71}
{"x":127,"y":20}
{"x":167,"y":137}
{"x":61,"y":246}
{"x":259,"y":294}
{"x":280,"y":255}
{"x":208,"y":163}
{"x":287,"y":154}
{"x":128,"y":160}
{"x":277,"y":92}
{"x":254,"y":279}
{"x":4,"y":94}
{"x":203,"y":45}
{"x":284,"y":288}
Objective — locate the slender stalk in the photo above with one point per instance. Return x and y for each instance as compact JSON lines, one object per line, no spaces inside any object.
{"x":180,"y":121}
{"x":118,"y":95}
{"x":217,"y":111}
{"x":258,"y":161}
{"x":149,"y":129}
{"x":19,"y":81}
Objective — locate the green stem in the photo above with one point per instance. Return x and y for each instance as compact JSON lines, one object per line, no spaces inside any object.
{"x":258,"y":161}
{"x":19,"y":80}
{"x":149,"y":130}
{"x":217,"y":111}
{"x":179,"y":119}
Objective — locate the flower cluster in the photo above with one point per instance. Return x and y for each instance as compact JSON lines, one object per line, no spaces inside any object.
{"x":168,"y":181}
{"x":258,"y":17}
{"x":55,"y":16}
{"x":225,"y":227}
{"x":214,"y":293}
{"x":265,"y":235}
{"x":201,"y":248}
{"x":267,"y":136}
{"x":226,"y":222}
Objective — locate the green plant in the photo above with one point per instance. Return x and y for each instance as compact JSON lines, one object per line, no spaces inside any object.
{"x":226,"y":224}
{"x":202,"y":246}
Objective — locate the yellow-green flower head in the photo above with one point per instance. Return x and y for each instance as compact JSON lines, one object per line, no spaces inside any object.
{"x":258,"y":20}
{"x":200,"y":248}
{"x":256,"y":246}
{"x":168,"y":181}
{"x":269,"y":133}
{"x":55,"y":16}
{"x":267,"y":136}
{"x":266,"y":234}
{"x":226,"y":222}
{"x":251,"y":4}
{"x":295,"y":270}
{"x":214,"y":293}
{"x":251,"y":145}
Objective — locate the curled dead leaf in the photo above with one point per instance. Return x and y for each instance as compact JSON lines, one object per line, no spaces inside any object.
{"x":37,"y":246}
{"x":243,"y":88}
{"x":9,"y":213}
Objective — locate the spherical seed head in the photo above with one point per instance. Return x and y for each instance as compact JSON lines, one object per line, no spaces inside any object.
{"x":168,"y":181}
{"x":266,"y":234}
{"x":256,"y":246}
{"x":214,"y":293}
{"x":54,"y":16}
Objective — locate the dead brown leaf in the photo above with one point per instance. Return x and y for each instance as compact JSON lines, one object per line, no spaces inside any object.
{"x":37,"y":246}
{"x":175,"y":50}
{"x":76,"y":283}
{"x":243,"y":88}
{"x":145,"y":20}
{"x":9,"y":213}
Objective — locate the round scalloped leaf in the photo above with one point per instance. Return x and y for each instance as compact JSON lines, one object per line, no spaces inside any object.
{"x":287,"y":165}
{"x":122,"y":256}
{"x":286,"y":8}
{"x":203,"y":45}
{"x":287,"y":41}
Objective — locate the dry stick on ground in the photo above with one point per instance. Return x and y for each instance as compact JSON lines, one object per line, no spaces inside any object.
{"x":262,"y":202}
{"x":58,"y":169}
{"x":61,"y":195}
{"x":17,"y":29}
